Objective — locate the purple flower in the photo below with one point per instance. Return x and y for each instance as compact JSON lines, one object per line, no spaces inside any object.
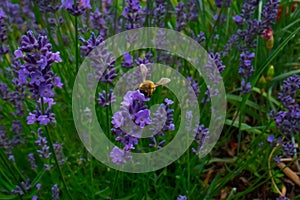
{"x":269,"y":14}
{"x":26,"y":186}
{"x":46,"y":91}
{"x":168,"y":101}
{"x":31,"y":118}
{"x":106,"y":99}
{"x":44,"y":119}
{"x":288,"y":149}
{"x":36,"y":78}
{"x":131,"y":119}
{"x":162,"y":122}
{"x":119,"y":156}
{"x":98,"y":22}
{"x":118,"y":119}
{"x":200,"y":38}
{"x":55,"y":192}
{"x":11,"y":158}
{"x":38,"y":186}
{"x":18,"y":53}
{"x":67,"y":4}
{"x":233,"y":40}
{"x":77,"y":8}
{"x":192,"y":11}
{"x":222,"y":3}
{"x":220,"y":18}
{"x":158,"y":13}
{"x":271,"y":138}
{"x":195,"y":88}
{"x":134,"y":14}
{"x":238,"y":20}
{"x":216,"y":58}
{"x":35,"y":72}
{"x":32,"y":162}
{"x":90,"y":44}
{"x":128,"y":61}
{"x":200,"y":135}
{"x":181,"y":17}
{"x":143,"y":118}
{"x":57,"y":82}
{"x":181,"y":197}
{"x":18,"y":191}
{"x":3,"y":36}
{"x":101,"y":60}
{"x":156,"y":144}
{"x":58,"y":148}
{"x":288,"y":120}
{"x":246,"y":69}
{"x":48,"y":6}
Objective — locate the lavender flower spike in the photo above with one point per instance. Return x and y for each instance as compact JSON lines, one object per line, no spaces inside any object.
{"x":35,"y":73}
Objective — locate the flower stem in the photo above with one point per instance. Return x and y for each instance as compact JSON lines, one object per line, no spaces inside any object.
{"x":114,"y":184}
{"x":270,"y":171}
{"x":76,"y":44}
{"x":53,"y":152}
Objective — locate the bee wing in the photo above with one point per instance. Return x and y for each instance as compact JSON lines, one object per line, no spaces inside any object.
{"x":163,"y":81}
{"x":144,"y":71}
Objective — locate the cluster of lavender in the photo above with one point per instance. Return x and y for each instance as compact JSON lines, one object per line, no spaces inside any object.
{"x":103,"y":64}
{"x":98,"y":22}
{"x":185,"y":13}
{"x":246,"y":69}
{"x":35,"y":73}
{"x":214,"y":60}
{"x":200,"y":134}
{"x":132,"y":118}
{"x":134,"y":14}
{"x":48,"y":7}
{"x":15,"y":13}
{"x":163,"y":122}
{"x":7,"y":143}
{"x":288,"y":119}
{"x":102,"y":60}
{"x":77,"y":7}
{"x":26,"y":186}
{"x":195,"y":86}
{"x":245,"y":38}
{"x":128,"y":122}
{"x":90,"y":44}
{"x":105,"y":99}
{"x":3,"y":37}
{"x":128,"y":61}
{"x":158,"y":13}
{"x":181,"y":17}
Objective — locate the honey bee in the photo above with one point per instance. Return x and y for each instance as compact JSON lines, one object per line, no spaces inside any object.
{"x":147,"y":87}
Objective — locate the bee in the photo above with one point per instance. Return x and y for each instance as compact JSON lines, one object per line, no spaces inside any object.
{"x":147,"y":87}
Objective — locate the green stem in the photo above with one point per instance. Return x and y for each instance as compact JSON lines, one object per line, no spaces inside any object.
{"x":114,"y":184}
{"x":115,"y":17}
{"x":188,"y":172}
{"x":107,"y":109}
{"x":53,"y":152}
{"x":76,"y":44}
